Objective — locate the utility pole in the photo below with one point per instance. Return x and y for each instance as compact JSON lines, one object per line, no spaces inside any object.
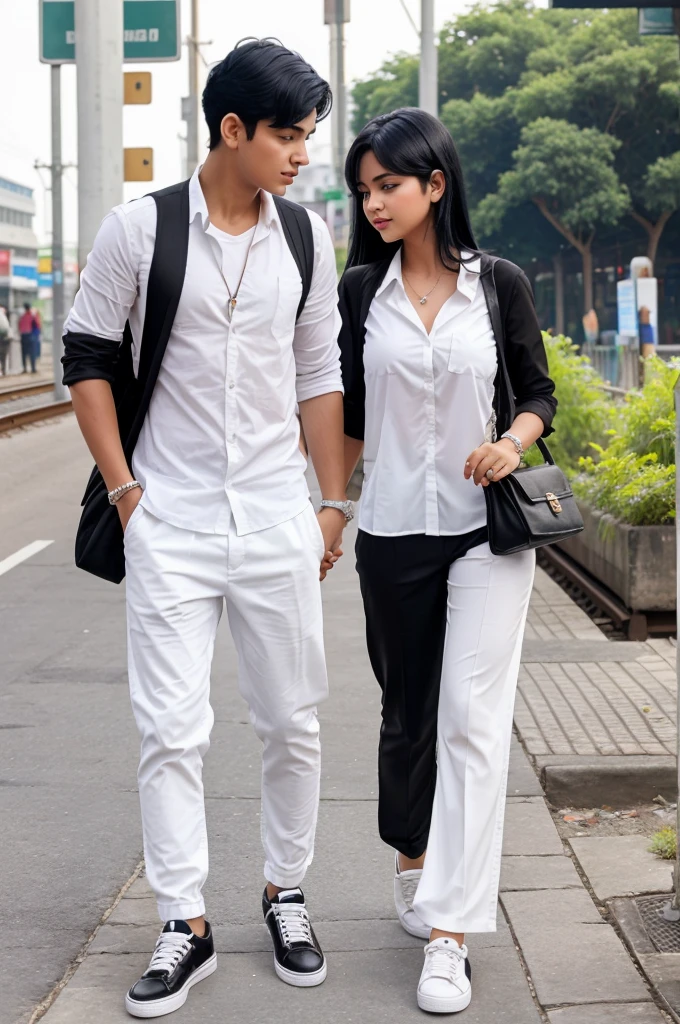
{"x":191,"y":110}
{"x":337,"y":14}
{"x":427,"y":79}
{"x":58,"y":311}
{"x":99,"y":60}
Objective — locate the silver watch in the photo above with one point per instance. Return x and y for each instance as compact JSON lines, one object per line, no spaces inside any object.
{"x":346,"y":507}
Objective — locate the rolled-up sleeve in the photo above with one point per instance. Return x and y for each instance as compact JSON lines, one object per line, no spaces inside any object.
{"x":315,"y":345}
{"x":526,"y":358}
{"x":108,"y":288}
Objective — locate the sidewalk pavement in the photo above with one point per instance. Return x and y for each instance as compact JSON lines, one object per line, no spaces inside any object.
{"x":597,"y":717}
{"x":554,"y":958}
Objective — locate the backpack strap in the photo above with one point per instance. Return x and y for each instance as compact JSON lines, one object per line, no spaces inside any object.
{"x":166,"y":279}
{"x":297,"y":228}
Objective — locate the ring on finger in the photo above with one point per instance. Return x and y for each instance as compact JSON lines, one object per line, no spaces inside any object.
{"x":489,"y":474}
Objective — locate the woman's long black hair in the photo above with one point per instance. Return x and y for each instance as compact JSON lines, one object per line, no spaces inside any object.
{"x":414,"y":143}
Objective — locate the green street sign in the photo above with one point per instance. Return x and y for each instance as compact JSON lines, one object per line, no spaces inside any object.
{"x":334,"y":193}
{"x":657,"y":21}
{"x":151,"y":31}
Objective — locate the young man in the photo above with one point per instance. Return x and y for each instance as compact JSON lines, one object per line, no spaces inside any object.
{"x":215,"y":505}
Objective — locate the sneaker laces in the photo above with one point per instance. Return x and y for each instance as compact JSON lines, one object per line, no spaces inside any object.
{"x":446,"y":962}
{"x":293,"y":922}
{"x":170,"y":949}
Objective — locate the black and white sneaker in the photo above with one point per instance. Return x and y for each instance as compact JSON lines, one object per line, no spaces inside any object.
{"x":298,"y":958}
{"x":180,"y":960}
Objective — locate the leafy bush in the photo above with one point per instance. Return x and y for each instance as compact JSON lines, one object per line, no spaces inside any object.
{"x":633,"y":478}
{"x":664,"y":843}
{"x":584,"y":409}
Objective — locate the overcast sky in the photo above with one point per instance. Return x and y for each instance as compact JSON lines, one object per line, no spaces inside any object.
{"x":380,"y":27}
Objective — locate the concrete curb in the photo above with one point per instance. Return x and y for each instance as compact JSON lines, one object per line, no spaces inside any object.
{"x":617,"y":780}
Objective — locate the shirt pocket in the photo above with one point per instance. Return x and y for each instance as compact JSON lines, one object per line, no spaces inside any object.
{"x":476,"y":357}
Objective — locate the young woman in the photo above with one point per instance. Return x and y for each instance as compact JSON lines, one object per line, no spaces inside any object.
{"x":445,"y":617}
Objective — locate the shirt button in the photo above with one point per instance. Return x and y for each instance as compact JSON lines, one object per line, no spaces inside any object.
{"x":232,"y":438}
{"x":231,"y":384}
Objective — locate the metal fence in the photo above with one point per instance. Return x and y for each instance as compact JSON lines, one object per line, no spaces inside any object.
{"x":619,"y":365}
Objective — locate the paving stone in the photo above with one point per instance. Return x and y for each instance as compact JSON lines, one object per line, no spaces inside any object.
{"x":371,"y":987}
{"x":529,"y":828}
{"x":526,"y":873}
{"x":522,"y":779}
{"x":570,"y":950}
{"x":622,"y":865}
{"x":598,"y":1013}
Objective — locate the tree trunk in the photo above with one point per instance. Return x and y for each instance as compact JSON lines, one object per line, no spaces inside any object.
{"x":558,"y":270}
{"x":654,"y":231}
{"x":587,"y":257}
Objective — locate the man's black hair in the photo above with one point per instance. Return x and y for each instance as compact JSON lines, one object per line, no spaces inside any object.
{"x":261,"y":80}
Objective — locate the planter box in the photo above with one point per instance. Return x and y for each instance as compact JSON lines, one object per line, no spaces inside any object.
{"x":635,"y":562}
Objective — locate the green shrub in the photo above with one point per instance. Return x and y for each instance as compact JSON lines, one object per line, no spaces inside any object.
{"x":584,"y":410}
{"x":665,"y":843}
{"x":633,"y":478}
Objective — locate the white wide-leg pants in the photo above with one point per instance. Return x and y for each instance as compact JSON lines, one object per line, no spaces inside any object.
{"x":488,"y":600}
{"x":177,"y":583}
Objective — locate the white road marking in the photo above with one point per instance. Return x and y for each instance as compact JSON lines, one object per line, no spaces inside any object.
{"x":22,"y":554}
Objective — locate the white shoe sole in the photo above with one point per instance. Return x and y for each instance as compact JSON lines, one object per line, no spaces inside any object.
{"x":301,"y":980}
{"x":159,"y":1007}
{"x":443,"y":1004}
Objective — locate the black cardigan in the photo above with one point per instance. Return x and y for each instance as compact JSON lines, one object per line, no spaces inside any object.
{"x":522,"y":382}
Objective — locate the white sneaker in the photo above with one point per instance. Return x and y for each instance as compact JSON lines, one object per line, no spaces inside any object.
{"x":444,"y":985}
{"x":405,"y":887}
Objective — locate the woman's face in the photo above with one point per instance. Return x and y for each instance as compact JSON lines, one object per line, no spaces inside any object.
{"x":396,"y":204}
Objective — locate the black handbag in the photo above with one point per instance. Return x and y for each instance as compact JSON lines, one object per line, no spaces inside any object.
{"x":531,"y":507}
{"x":535,"y":505}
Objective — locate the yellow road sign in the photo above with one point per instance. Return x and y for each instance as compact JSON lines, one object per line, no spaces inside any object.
{"x":137,"y":87}
{"x":138,"y":164}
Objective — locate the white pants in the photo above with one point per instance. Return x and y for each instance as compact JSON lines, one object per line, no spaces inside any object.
{"x":177,"y":583}
{"x":488,"y":600}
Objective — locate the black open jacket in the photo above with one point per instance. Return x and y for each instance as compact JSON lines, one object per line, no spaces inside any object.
{"x":519,"y":343}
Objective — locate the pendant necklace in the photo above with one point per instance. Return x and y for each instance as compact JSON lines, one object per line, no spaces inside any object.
{"x":422,"y":299}
{"x":233,"y":297}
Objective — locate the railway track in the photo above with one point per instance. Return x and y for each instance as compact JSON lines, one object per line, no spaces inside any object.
{"x":11,"y":419}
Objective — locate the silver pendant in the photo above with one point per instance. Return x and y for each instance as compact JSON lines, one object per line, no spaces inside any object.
{"x":230,"y":309}
{"x":423,"y":300}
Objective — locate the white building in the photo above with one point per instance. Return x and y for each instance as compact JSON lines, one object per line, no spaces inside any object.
{"x":18,"y":246}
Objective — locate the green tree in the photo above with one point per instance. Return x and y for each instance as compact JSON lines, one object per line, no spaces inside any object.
{"x":661,"y":197}
{"x":567,"y":173}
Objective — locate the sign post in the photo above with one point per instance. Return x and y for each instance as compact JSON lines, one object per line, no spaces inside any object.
{"x":151,"y":31}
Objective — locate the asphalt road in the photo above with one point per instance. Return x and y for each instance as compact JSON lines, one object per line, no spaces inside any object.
{"x":71,"y":834}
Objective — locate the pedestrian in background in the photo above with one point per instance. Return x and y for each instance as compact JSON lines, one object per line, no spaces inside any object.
{"x":29,"y":328}
{"x":444,"y":616}
{"x":5,"y":340}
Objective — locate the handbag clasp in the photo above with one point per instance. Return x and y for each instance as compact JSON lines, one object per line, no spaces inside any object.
{"x":554,"y":502}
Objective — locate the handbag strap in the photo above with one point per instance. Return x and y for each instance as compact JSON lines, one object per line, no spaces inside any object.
{"x":504,"y":383}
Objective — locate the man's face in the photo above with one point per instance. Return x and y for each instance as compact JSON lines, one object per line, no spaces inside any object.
{"x":273,"y":157}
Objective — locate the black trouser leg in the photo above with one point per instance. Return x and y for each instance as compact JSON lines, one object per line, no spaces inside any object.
{"x":404,"y":588}
{"x":404,"y":593}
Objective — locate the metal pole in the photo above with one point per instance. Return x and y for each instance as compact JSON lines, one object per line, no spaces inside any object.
{"x":99,"y":60}
{"x":341,"y":97}
{"x":192,"y":120}
{"x":427,"y":78}
{"x":671,"y":911}
{"x":57,"y":237}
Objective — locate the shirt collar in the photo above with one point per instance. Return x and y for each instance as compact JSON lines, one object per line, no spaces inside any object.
{"x":199,"y":208}
{"x":468,"y":278}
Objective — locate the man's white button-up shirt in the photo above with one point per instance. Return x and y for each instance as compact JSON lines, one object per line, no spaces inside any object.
{"x":221,"y":437}
{"x":429,"y":404}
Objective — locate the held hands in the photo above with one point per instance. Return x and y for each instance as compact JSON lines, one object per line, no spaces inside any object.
{"x":332,"y":523}
{"x":499,"y":456}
